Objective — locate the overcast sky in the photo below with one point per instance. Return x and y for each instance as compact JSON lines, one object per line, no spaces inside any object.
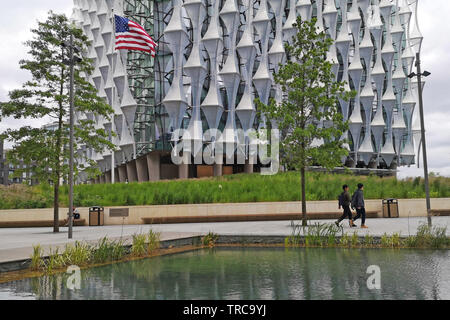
{"x":19,"y":16}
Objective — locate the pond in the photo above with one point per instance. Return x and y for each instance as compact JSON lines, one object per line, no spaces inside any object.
{"x":255,"y":273}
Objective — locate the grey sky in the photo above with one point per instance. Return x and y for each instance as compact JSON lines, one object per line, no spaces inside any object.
{"x":19,"y":16}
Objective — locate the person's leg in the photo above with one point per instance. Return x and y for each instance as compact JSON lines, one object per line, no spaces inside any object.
{"x":348,"y":212}
{"x":358,"y":215}
{"x":344,"y":215}
{"x":341,"y":218}
{"x":363,"y":216}
{"x":350,"y":218}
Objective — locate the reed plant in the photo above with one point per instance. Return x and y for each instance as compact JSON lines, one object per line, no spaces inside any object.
{"x":331,"y":241}
{"x":368,"y":240}
{"x":153,"y":239}
{"x":210,"y":239}
{"x":107,"y":250}
{"x":36,"y":258}
{"x":79,"y":254}
{"x":119,"y":251}
{"x":103,"y":251}
{"x":53,"y":262}
{"x":139,"y":246}
{"x":411,"y":242}
{"x":396,"y":240}
{"x":345,"y":240}
{"x":430,"y":237}
{"x":385,"y":240}
{"x":392,"y":241}
{"x":318,"y":234}
{"x":354,"y":239}
{"x":293,"y":240}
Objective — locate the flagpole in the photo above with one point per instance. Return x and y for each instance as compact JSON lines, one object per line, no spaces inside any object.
{"x":113,"y":126}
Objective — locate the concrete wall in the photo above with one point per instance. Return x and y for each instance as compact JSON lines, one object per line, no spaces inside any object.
{"x":410,"y":207}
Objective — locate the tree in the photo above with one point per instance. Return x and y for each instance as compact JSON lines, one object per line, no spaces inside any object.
{"x":308,"y":116}
{"x":47,"y":95}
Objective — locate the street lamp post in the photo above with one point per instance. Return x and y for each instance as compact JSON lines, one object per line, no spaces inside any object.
{"x":72,"y":61}
{"x":71,"y":139}
{"x":422,"y":131}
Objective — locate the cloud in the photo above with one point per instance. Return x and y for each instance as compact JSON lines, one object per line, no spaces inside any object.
{"x":433,"y":22}
{"x":18,"y":18}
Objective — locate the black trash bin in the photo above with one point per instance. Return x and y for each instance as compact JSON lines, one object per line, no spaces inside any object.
{"x":390,"y":208}
{"x":96,"y":216}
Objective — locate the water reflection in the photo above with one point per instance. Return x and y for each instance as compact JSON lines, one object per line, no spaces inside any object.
{"x":259,"y":273}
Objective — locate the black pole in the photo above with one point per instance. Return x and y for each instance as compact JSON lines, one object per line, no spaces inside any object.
{"x":424,"y":148}
{"x":71,"y":137}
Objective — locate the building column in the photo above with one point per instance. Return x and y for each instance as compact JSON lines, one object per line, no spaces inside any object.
{"x":183,"y":171}
{"x":248,"y":166}
{"x":394,"y":165}
{"x":372,"y":164}
{"x":154,"y":166}
{"x":142,"y":170}
{"x":122,"y":173}
{"x":108,"y":177}
{"x":131,"y":171}
{"x":218,"y":169}
{"x":218,"y":165}
{"x":183,"y":168}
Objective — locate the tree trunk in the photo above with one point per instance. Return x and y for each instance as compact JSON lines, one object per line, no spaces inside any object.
{"x":304,"y":220}
{"x":58,"y":159}
{"x":56,"y":207}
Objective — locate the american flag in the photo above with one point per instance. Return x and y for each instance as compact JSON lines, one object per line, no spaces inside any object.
{"x":132,"y":36}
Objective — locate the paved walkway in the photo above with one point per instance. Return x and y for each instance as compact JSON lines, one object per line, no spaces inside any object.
{"x":17,"y":243}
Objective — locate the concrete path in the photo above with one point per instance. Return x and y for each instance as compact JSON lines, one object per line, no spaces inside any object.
{"x":17,"y":243}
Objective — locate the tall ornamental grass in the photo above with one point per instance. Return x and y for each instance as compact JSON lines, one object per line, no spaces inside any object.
{"x":226,"y":189}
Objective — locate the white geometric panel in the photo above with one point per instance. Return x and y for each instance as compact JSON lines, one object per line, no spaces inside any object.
{"x":221,"y":55}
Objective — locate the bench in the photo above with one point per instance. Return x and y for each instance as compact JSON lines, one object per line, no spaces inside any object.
{"x":249,"y":217}
{"x":38,"y":223}
{"x":440,"y":212}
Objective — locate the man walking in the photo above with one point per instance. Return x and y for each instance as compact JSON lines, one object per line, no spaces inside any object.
{"x":344,"y":202}
{"x":358,"y":203}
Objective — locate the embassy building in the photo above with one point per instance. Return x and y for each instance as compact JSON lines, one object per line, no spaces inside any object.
{"x":214,"y":57}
